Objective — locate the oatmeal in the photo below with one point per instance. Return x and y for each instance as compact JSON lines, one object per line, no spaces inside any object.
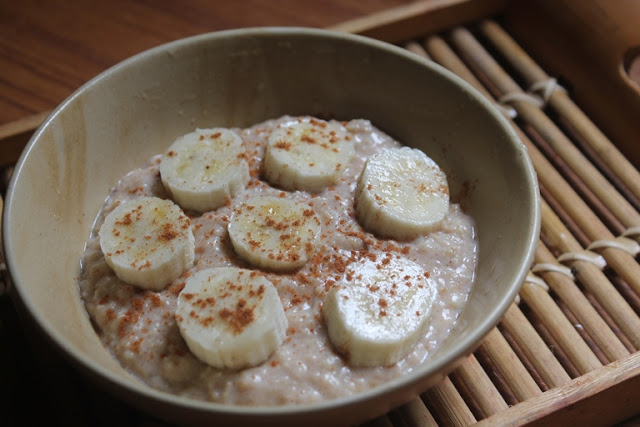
{"x":139,"y":326}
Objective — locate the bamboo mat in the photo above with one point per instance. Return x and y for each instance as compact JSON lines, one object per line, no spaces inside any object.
{"x":567,"y":349}
{"x":574,"y":331}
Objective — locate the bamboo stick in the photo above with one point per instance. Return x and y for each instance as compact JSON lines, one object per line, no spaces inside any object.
{"x":440,"y":51}
{"x":551,"y":342}
{"x":592,"y":277}
{"x":524,"y":359}
{"x":507,"y":364}
{"x":534,"y":348}
{"x":625,"y":265}
{"x":445,"y":401}
{"x":468,"y":396}
{"x":605,"y":316}
{"x":412,"y":414}
{"x":595,"y":158}
{"x":561,"y":102}
{"x":588,"y":197}
{"x":620,"y":261}
{"x":552,"y":181}
{"x":632,"y":298}
{"x":475,"y":379}
{"x":567,"y":220}
{"x":496,"y":378}
{"x":560,"y":328}
{"x":415,"y":47}
{"x":579,"y":305}
{"x":476,"y":55}
{"x":562,"y":192}
{"x":579,"y":164}
{"x":583,"y":333}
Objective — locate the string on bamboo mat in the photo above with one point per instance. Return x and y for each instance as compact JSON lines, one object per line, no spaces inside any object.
{"x":632,"y":232}
{"x":623,"y":243}
{"x":545,"y":88}
{"x":587,"y":256}
{"x":534,"y":280}
{"x":517,"y":96}
{"x":545,"y":267}
{"x":508,"y":111}
{"x":538,"y":95}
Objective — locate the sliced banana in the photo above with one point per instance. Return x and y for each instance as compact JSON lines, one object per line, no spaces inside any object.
{"x":231,"y":317}
{"x":401,"y":194}
{"x":376,"y":314}
{"x":147,"y":242}
{"x":307,"y":154}
{"x":274,"y":233}
{"x":204,"y":169}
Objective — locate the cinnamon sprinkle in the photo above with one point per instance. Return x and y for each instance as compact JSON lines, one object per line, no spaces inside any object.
{"x":239,"y":318}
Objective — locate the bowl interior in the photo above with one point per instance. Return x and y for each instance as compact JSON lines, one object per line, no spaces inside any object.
{"x":237,"y":78}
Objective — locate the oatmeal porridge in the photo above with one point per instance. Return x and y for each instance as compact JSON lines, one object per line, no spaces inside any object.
{"x":139,"y":326}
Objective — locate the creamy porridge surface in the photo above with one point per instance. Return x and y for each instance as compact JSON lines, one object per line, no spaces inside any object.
{"x":139,"y":328}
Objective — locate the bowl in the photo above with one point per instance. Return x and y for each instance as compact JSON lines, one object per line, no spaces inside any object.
{"x":122,"y":117}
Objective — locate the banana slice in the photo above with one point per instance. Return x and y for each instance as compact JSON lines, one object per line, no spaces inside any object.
{"x":147,"y":242}
{"x":401,"y":194}
{"x":376,"y":314}
{"x":274,"y":233}
{"x":231,"y":317}
{"x":307,"y":154}
{"x":204,"y":169}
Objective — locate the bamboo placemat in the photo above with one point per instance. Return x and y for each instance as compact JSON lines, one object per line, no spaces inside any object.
{"x":573,"y":335}
{"x":567,"y":349}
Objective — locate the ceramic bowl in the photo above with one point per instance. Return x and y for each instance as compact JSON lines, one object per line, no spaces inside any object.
{"x":115,"y":122}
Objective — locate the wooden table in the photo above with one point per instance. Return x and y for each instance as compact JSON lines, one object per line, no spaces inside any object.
{"x":49,"y":48}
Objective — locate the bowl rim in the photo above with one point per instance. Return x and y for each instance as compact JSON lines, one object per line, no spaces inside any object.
{"x":456,"y":352}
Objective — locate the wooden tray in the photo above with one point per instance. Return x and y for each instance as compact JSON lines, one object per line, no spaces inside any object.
{"x":568,"y":350}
